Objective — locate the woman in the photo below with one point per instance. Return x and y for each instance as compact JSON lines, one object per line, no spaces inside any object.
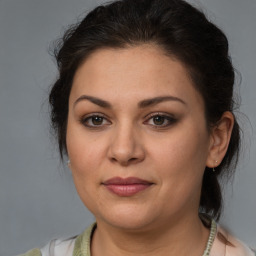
{"x":143,"y":110}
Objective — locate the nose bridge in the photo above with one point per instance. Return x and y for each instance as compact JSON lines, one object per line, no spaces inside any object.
{"x":126,"y":146}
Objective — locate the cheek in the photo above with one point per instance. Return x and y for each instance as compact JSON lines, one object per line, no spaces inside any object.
{"x":180,"y":172}
{"x":85,"y":166}
{"x":182,"y":149}
{"x":84,"y":150}
{"x":181,"y":158}
{"x":85,"y":160}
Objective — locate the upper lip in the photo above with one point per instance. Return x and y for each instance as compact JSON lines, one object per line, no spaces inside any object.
{"x":126,"y":181}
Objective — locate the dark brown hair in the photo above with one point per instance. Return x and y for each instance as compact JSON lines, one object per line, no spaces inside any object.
{"x":184,"y":33}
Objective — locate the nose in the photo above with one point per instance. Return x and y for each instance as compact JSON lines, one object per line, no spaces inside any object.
{"x":126,"y":146}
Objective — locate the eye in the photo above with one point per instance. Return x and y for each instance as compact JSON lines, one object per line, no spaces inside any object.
{"x":95,"y":121}
{"x":160,"y":120}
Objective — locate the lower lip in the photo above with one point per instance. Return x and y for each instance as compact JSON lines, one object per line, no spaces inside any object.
{"x":127,"y":190}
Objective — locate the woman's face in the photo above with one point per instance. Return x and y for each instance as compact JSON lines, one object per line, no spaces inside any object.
{"x":136,"y":138}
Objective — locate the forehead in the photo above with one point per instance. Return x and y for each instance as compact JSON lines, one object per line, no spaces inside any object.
{"x":141,"y":71}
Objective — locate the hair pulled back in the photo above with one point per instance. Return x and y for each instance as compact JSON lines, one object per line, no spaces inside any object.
{"x":183,"y":32}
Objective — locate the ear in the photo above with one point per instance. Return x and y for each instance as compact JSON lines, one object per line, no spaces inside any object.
{"x":219,"y":141}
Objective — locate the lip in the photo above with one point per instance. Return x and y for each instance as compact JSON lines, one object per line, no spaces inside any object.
{"x":126,"y":187}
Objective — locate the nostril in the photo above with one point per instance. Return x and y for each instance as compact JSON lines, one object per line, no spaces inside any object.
{"x":132,"y":159}
{"x":124,"y":161}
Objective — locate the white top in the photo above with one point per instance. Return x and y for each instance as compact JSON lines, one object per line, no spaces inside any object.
{"x":59,"y":247}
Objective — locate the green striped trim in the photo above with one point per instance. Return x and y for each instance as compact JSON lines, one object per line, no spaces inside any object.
{"x":34,"y":252}
{"x":83,"y":242}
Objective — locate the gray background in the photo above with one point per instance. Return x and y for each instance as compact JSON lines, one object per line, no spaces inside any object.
{"x":37,"y":198}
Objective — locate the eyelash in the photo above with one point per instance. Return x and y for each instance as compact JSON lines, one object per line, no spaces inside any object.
{"x":168,"y":120}
{"x":84,"y":120}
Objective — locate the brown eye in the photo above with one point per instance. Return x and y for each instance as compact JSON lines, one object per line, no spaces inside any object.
{"x":159,"y":120}
{"x":95,"y":121}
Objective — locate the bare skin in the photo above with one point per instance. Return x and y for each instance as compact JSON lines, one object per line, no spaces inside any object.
{"x":135,"y":112}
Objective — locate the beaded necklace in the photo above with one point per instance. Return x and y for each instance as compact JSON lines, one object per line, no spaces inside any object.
{"x":211,"y":238}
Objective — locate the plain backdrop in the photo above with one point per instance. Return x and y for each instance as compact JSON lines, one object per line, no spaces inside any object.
{"x":38,"y":201}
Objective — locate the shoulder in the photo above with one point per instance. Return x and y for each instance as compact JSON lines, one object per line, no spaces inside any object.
{"x":56,"y":247}
{"x":239,"y":248}
{"x":228,"y":245}
{"x":59,"y":247}
{"x":77,"y":245}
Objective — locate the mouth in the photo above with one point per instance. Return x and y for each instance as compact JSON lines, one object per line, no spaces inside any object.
{"x":126,"y":187}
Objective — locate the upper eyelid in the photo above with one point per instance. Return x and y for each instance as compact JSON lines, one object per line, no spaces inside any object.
{"x":94,"y":114}
{"x":164,"y":114}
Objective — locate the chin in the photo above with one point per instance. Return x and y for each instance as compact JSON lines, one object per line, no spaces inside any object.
{"x":129,"y":224}
{"x":129,"y":218}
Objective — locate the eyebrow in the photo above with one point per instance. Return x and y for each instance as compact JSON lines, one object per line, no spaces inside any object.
{"x":153,"y":101}
{"x":97,"y":101}
{"x":142,"y":104}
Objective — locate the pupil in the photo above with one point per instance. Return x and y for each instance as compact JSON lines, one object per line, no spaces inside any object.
{"x":97,"y":120}
{"x":159,"y":120}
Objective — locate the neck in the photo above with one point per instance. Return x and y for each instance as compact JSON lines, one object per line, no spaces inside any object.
{"x":180,"y":237}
